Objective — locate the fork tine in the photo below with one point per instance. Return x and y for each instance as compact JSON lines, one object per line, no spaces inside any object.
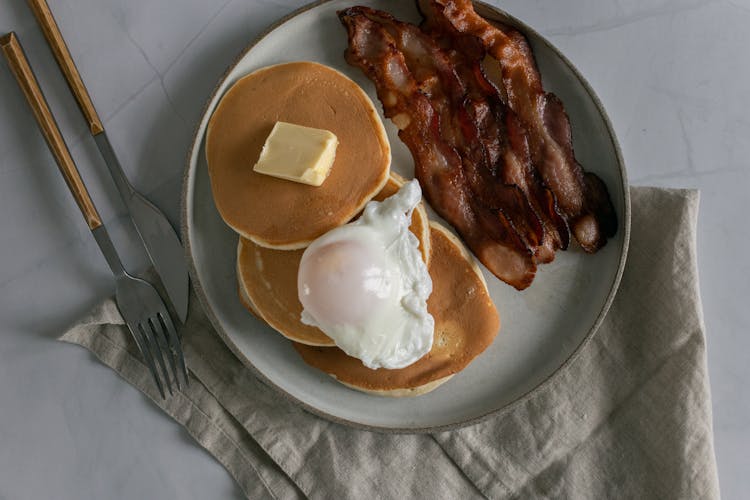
{"x":142,"y":341}
{"x":161,"y":333}
{"x":158,"y":352}
{"x":174,"y":342}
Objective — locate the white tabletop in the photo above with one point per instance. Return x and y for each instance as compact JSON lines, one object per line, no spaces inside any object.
{"x":673,"y":75}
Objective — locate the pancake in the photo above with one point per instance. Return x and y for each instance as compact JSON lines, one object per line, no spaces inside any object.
{"x":268,"y":278}
{"x":247,"y":303}
{"x":278,"y":213}
{"x":401,"y":393}
{"x":466,"y":323}
{"x":268,"y":289}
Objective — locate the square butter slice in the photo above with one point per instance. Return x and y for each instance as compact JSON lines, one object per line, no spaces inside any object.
{"x":297,"y":153}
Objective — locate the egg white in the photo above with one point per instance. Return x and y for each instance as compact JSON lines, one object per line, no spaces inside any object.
{"x":397,"y":330}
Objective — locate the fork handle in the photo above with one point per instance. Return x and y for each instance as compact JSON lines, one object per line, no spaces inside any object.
{"x":62,"y":54}
{"x":19,"y":65}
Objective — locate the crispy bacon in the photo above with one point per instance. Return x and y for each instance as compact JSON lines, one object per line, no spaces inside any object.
{"x":581,"y":197}
{"x":462,"y":121}
{"x":448,"y":185}
{"x":494,"y":155}
{"x":513,"y":167}
{"x":472,"y":120}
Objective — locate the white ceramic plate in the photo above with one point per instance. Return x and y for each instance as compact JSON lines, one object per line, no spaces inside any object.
{"x":542,"y":328}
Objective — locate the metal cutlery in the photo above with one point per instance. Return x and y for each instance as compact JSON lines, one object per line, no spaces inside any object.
{"x":141,"y":306}
{"x":159,"y":238}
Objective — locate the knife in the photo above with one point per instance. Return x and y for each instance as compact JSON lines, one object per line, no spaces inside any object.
{"x":158,"y":236}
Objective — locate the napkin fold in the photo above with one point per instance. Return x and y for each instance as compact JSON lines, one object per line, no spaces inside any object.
{"x":629,"y":417}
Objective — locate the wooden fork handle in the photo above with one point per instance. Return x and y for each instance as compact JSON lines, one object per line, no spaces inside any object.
{"x":13,"y":52}
{"x":62,"y":54}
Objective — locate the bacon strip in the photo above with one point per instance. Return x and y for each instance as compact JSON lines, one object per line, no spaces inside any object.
{"x":462,"y":121}
{"x":581,"y":197}
{"x":438,"y":166}
{"x":513,"y":167}
{"x":496,"y":162}
{"x":473,"y":120}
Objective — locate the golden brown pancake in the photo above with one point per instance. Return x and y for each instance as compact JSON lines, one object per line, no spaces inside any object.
{"x":268,"y":284}
{"x":246,"y":303}
{"x":466,"y":322}
{"x":402,"y":393}
{"x":268,"y":278}
{"x":278,"y":213}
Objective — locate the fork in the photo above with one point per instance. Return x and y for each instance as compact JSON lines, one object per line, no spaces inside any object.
{"x":140,"y":304}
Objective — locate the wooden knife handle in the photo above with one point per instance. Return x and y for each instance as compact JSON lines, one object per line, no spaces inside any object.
{"x":13,"y":52}
{"x":65,"y":61}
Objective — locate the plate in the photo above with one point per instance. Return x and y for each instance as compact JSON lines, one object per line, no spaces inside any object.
{"x":543,"y":327}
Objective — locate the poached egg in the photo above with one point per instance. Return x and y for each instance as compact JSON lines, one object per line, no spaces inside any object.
{"x":365,"y":285}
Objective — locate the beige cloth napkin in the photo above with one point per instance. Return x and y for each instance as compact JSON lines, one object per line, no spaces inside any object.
{"x":629,"y":418}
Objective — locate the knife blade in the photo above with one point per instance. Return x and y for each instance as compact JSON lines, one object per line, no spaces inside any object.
{"x":157,"y":234}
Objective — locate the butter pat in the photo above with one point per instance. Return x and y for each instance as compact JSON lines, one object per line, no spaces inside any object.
{"x":297,"y":153}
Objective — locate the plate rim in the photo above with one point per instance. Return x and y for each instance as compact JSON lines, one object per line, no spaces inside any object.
{"x":497,"y":412}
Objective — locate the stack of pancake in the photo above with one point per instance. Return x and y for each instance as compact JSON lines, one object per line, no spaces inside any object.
{"x":276,"y":219}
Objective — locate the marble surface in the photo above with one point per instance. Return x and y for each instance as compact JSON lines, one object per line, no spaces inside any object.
{"x":671,"y":73}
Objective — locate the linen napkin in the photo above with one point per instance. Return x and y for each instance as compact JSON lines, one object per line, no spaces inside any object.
{"x":629,"y":417}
